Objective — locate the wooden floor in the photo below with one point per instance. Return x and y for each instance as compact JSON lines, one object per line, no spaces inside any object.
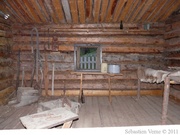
{"x":98,"y":112}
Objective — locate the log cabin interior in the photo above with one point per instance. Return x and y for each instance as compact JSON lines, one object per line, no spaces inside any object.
{"x":87,"y":52}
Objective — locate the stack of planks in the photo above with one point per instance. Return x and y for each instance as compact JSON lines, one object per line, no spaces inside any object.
{"x":6,"y":62}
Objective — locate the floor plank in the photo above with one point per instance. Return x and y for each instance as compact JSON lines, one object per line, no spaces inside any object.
{"x":99,"y":112}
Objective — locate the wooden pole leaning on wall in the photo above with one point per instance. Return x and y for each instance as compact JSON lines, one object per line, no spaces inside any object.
{"x":46,"y":78}
{"x":52,"y":90}
{"x":18,"y":70}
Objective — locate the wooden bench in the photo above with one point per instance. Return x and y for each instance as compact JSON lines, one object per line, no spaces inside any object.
{"x":49,"y":119}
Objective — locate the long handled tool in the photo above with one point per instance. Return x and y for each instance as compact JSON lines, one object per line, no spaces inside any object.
{"x":52,"y":90}
{"x":65,"y":100}
{"x":33,"y":71}
{"x":18,"y":70}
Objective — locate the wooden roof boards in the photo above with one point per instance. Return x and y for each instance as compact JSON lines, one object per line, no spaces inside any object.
{"x":88,"y":11}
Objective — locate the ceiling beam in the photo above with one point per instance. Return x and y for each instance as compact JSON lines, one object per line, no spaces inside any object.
{"x":38,"y":11}
{"x":97,"y":5}
{"x":144,"y":9}
{"x":58,"y":7}
{"x":173,"y":8}
{"x":137,"y":10}
{"x":109,"y":13}
{"x":118,"y":9}
{"x":24,"y":10}
{"x":51,"y":12}
{"x":149,"y":11}
{"x":89,"y":11}
{"x":156,"y":10}
{"x":81,"y":11}
{"x":104,"y":6}
{"x":127,"y":7}
{"x":66,"y":9}
{"x":74,"y":11}
{"x":18,"y":13}
{"x":31,"y":11}
{"x":43,"y":10}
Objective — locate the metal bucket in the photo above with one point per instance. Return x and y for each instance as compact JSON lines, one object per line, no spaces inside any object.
{"x":114,"y":69}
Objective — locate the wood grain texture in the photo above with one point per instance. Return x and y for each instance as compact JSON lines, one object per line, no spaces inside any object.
{"x":74,"y":11}
{"x":81,"y":10}
{"x":88,"y":11}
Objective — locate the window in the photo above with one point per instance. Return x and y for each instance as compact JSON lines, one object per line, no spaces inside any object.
{"x":87,"y":57}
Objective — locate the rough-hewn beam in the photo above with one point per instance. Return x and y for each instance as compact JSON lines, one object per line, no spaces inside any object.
{"x":81,"y":11}
{"x":97,"y":5}
{"x":31,"y":11}
{"x":89,"y":11}
{"x":109,"y":11}
{"x":125,"y":10}
{"x":149,"y":11}
{"x":74,"y":11}
{"x":147,"y":5}
{"x":156,"y":10}
{"x":131,"y":11}
{"x":104,"y":6}
{"x":136,"y":12}
{"x":66,"y":9}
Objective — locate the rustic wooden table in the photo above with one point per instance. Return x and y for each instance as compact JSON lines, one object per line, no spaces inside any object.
{"x":110,"y":75}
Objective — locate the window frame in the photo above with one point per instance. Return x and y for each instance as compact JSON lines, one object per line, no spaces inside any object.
{"x":78,"y":46}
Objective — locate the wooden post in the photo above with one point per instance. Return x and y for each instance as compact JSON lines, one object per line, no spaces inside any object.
{"x":109,"y":83}
{"x":80,"y":92}
{"x":46,"y":78}
{"x":52,"y":92}
{"x":18,"y":70}
{"x":165,"y":100}
{"x":139,"y":88}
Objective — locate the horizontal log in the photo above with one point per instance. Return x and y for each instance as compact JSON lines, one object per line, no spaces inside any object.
{"x":174,"y":63}
{"x":6,"y":83}
{"x":120,"y":49}
{"x":6,"y":62}
{"x":173,"y":18}
{"x":173,"y":41}
{"x":90,"y":32}
{"x":6,"y":73}
{"x":6,"y":92}
{"x":2,"y":33}
{"x":100,"y":40}
{"x":175,"y":94}
{"x":105,"y":92}
{"x":172,"y":55}
{"x":105,"y":49}
{"x":3,"y":41}
{"x":172,"y":34}
{"x":172,"y":48}
{"x":172,"y":26}
{"x":133,"y":49}
{"x":88,"y":26}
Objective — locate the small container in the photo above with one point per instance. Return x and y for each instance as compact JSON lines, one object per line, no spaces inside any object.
{"x":114,"y":69}
{"x":104,"y":68}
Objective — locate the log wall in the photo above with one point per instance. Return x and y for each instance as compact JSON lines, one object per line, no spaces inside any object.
{"x":172,"y":38}
{"x":131,"y":47}
{"x":172,"y":50}
{"x":6,"y":62}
